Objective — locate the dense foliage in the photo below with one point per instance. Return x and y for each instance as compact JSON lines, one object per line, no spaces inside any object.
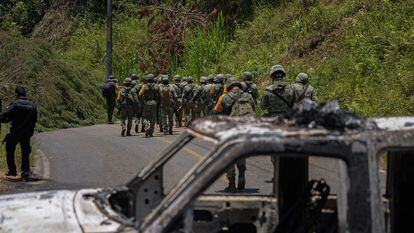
{"x":360,"y":52}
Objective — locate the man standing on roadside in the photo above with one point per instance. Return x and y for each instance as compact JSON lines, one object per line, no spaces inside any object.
{"x":22,"y":114}
{"x":109,"y":92}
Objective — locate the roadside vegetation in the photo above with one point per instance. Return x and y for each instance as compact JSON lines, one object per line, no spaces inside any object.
{"x":359,"y":52}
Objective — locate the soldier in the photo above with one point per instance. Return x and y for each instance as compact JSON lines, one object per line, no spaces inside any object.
{"x":159,"y":122}
{"x":235,"y":102}
{"x":188,"y":93}
{"x":127,"y":99}
{"x":109,"y":93}
{"x":279,"y":97}
{"x":179,"y":92}
{"x":149,"y":94}
{"x":249,"y":86}
{"x":303,"y":90}
{"x":168,"y":99}
{"x":136,"y":85}
{"x":218,"y":88}
{"x":22,"y":114}
{"x":208,"y":100}
{"x":198,"y":99}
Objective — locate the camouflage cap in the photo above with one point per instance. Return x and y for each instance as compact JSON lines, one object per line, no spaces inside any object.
{"x":211,"y":77}
{"x":277,"y":68}
{"x":190,"y":79}
{"x":127,"y":81}
{"x":177,"y":77}
{"x":203,"y":79}
{"x":247,"y":76}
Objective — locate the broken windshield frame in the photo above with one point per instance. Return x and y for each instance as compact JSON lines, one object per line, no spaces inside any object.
{"x":207,"y":171}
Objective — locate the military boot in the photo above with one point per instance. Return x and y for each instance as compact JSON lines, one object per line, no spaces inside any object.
{"x":123,"y":132}
{"x":232,"y":185}
{"x":242,"y":181}
{"x":128,"y":132}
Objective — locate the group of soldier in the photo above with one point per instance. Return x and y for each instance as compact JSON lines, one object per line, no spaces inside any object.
{"x":164,"y":101}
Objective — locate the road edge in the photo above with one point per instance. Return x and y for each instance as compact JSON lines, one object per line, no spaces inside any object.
{"x":42,"y":167}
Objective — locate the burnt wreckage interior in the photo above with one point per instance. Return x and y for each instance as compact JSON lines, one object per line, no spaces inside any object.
{"x":296,"y":203}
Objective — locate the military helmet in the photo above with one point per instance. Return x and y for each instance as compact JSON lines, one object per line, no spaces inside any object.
{"x":127,"y":81}
{"x":302,"y":78}
{"x":150,"y":77}
{"x":211,"y":78}
{"x":177,"y":78}
{"x":277,"y":68}
{"x":190,"y":79}
{"x":203,"y":79}
{"x":247,"y":76}
{"x":219,"y":78}
{"x":232,"y":82}
{"x":165,"y":79}
{"x":134,"y":77}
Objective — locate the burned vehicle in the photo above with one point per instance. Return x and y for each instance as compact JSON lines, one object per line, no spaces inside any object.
{"x":286,"y":193}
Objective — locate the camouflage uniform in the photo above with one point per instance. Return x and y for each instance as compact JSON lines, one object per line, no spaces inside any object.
{"x":136,"y":85}
{"x":249,"y":86}
{"x":159,"y":122}
{"x":226,"y":106}
{"x":198,"y":99}
{"x":167,"y":105}
{"x":188,"y":106}
{"x":218,"y":89}
{"x":208,"y":100}
{"x":178,"y":111}
{"x":149,"y":94}
{"x":127,"y":100}
{"x":279,"y":97}
{"x":303,"y":90}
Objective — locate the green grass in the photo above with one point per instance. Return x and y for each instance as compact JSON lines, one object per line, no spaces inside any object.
{"x":65,"y":94}
{"x":359,"y":52}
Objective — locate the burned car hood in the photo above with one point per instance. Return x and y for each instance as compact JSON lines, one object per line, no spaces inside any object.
{"x":53,"y":211}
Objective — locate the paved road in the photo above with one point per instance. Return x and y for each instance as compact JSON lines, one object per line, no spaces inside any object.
{"x":97,"y":156}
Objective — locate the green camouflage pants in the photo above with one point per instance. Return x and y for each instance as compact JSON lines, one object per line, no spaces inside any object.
{"x":127,"y":114}
{"x":167,"y":117}
{"x":150,"y":118}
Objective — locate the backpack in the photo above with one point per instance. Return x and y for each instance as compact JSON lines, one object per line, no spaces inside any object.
{"x":108,"y":89}
{"x":165,"y":95}
{"x":127,"y":97}
{"x":242,"y":106}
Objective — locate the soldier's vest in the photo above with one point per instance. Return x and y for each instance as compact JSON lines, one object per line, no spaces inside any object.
{"x":150,"y":95}
{"x":281,"y":99}
{"x":178,"y":90}
{"x":188,"y":91}
{"x":242,"y":106}
{"x":127,"y":96}
{"x":166,"y":98}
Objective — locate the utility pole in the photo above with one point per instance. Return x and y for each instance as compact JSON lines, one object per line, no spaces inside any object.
{"x":108,"y":40}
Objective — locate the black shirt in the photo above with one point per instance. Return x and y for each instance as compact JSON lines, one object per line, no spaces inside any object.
{"x":22,"y":114}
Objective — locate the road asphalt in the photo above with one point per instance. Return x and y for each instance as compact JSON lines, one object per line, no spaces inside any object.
{"x":97,"y":156}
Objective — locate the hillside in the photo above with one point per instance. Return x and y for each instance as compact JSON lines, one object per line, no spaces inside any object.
{"x":359,"y":52}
